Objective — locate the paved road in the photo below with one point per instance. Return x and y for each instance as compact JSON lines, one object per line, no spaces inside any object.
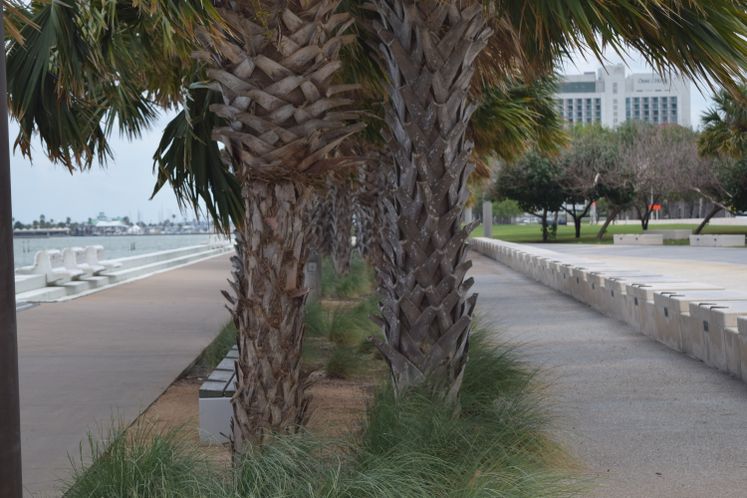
{"x":644,"y":420}
{"x":108,"y":356}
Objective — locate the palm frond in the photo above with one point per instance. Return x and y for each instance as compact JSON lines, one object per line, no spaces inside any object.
{"x":15,"y":15}
{"x":514,"y":116}
{"x":701,"y":39}
{"x":190,"y":161}
{"x":724,"y":131}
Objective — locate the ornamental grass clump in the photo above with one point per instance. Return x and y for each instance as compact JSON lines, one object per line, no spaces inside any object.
{"x":142,"y":462}
{"x":493,"y":443}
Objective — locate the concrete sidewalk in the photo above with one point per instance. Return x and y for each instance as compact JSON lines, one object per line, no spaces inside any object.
{"x":644,"y":420}
{"x":107,"y":356}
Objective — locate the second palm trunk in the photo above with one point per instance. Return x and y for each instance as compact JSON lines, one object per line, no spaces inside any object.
{"x":429,"y":49}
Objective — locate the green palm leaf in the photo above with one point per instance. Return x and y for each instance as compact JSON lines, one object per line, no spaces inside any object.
{"x":189,"y":160}
{"x":702,"y":39}
{"x":725,"y":126}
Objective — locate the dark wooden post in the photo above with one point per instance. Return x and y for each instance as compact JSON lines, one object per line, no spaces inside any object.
{"x":10,"y":419}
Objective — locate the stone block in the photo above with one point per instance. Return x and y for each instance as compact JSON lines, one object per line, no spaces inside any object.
{"x":608,"y":290}
{"x":645,"y":239}
{"x":215,"y":419}
{"x":708,"y":330}
{"x":715,"y":240}
{"x":676,"y":234}
{"x":672,"y":312}
{"x":732,"y":351}
{"x":640,"y":301}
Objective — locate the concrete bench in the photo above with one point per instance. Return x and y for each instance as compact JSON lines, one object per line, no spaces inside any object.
{"x":645,"y":239}
{"x":717,"y":240}
{"x":607,"y":290}
{"x":713,"y":326}
{"x":742,"y":331}
{"x":215,"y":395}
{"x":620,"y":285}
{"x":676,"y":234}
{"x":70,"y":263}
{"x":639,"y":302}
{"x":89,"y":258}
{"x":43,"y":265}
{"x":672,"y":313}
{"x":25,"y":283}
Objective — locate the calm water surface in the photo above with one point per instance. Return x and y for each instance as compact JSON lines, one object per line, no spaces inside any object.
{"x":114,"y":247}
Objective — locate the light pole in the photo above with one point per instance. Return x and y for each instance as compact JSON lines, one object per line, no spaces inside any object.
{"x":10,"y":417}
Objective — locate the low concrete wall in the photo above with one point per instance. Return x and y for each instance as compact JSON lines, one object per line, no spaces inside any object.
{"x":31,"y":288}
{"x":644,"y":239}
{"x":717,"y":240}
{"x":704,"y":321}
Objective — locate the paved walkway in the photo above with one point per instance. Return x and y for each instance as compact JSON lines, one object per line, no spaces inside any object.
{"x":107,"y":356}
{"x":645,"y":421}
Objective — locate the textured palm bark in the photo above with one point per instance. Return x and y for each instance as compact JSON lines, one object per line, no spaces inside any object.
{"x":341,"y":225}
{"x":284,"y":118}
{"x":320,"y":238}
{"x":267,"y":301}
{"x":429,"y":48}
{"x":374,"y":190}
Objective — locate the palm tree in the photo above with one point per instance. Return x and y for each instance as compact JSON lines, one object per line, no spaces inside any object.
{"x":724,"y":140}
{"x":724,"y":132}
{"x":431,"y":50}
{"x":269,"y":96}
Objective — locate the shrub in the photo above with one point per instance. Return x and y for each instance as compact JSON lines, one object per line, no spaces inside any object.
{"x":494,"y":444}
{"x":143,"y":463}
{"x":342,"y":364}
{"x":356,"y":283}
{"x":217,"y":350}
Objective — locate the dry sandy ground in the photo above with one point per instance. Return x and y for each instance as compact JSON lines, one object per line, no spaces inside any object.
{"x":338,"y":408}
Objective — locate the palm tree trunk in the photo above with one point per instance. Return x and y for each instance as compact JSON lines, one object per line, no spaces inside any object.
{"x":341,"y":226}
{"x":374,"y":194}
{"x":267,"y":305}
{"x":713,"y":212}
{"x":429,"y":48}
{"x":284,"y":117}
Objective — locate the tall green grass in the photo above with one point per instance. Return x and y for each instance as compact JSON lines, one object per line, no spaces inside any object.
{"x":217,"y":350}
{"x":356,"y":283}
{"x":142,"y":462}
{"x":494,"y":444}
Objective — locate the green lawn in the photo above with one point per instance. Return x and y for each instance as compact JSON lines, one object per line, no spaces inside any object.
{"x":533,"y":233}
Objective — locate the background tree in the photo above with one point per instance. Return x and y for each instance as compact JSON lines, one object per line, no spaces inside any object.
{"x":723,"y":139}
{"x":534,"y":183}
{"x":506,"y":210}
{"x":656,"y":155}
{"x":723,"y":182}
{"x":592,"y":156}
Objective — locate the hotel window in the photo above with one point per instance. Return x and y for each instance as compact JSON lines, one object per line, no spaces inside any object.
{"x":614,"y":87}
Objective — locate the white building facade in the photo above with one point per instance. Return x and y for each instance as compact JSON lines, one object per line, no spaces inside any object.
{"x":610,"y":97}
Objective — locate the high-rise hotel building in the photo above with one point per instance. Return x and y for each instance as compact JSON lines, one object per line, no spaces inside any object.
{"x":610,"y":98}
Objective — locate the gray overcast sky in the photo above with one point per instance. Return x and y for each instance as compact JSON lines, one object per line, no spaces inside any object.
{"x":123,"y":188}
